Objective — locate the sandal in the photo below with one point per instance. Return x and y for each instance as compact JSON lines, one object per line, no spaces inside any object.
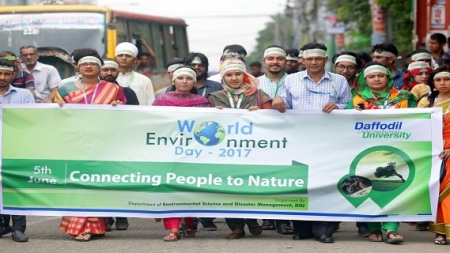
{"x":285,"y":229}
{"x":440,"y":239}
{"x":188,"y":231}
{"x":254,"y":227}
{"x":393,"y":240}
{"x":268,"y":225}
{"x":235,"y":235}
{"x":85,"y":237}
{"x":172,"y":237}
{"x":376,"y":236}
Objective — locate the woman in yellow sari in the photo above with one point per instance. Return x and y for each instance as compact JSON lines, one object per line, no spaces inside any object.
{"x":89,"y":89}
{"x":439,"y":82}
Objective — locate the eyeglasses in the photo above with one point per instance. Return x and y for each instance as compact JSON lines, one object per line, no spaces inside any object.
{"x":342,"y":67}
{"x":85,"y":64}
{"x":30,"y":54}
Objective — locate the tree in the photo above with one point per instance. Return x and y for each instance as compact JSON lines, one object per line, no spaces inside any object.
{"x":388,"y":171}
{"x":357,"y":15}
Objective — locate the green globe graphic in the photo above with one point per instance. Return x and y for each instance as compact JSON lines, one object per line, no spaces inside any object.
{"x":209,"y":133}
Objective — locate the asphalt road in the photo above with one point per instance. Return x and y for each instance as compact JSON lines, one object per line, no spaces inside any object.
{"x":145,"y":235}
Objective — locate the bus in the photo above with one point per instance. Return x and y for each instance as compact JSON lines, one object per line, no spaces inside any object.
{"x":79,"y":26}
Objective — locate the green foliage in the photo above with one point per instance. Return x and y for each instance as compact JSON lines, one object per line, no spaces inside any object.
{"x":357,"y":14}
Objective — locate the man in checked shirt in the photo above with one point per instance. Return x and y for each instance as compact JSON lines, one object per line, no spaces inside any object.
{"x":314,"y":88}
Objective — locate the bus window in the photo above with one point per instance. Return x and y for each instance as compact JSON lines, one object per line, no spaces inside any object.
{"x":65,"y":30}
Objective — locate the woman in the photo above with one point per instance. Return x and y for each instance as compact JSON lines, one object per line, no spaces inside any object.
{"x":415,"y":79}
{"x":375,"y":90}
{"x":88,"y":90}
{"x":184,"y":94}
{"x":439,"y":82}
{"x":240,"y":91}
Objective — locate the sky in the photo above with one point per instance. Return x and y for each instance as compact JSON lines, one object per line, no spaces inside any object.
{"x":212,"y":24}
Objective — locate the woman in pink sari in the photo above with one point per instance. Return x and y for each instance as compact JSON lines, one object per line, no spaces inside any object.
{"x":183,"y":94}
{"x":89,"y":89}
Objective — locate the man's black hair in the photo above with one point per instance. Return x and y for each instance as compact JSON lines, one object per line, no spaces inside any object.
{"x":385,"y":46}
{"x":358,"y":60}
{"x":439,"y":37}
{"x":256,"y":64}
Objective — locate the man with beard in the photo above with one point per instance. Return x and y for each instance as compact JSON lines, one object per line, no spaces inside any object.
{"x":230,"y":51}
{"x":274,"y":61}
{"x":256,"y":69}
{"x":12,"y":95}
{"x":126,"y":56}
{"x":199,"y":62}
{"x":109,"y":72}
{"x":292,"y":61}
{"x":347,"y":64}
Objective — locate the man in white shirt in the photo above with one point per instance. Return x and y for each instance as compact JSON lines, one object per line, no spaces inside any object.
{"x":272,"y":81}
{"x":126,"y":56}
{"x":46,"y":77}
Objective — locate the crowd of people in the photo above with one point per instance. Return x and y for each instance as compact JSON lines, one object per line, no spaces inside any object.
{"x":294,"y":79}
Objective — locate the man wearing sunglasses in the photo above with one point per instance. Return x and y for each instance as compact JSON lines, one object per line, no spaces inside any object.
{"x":386,"y":53}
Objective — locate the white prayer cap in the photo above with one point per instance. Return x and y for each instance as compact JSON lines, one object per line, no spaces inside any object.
{"x":126,"y":48}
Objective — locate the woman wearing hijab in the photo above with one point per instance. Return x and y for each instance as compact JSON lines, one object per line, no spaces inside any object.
{"x":439,"y":82}
{"x":375,"y":90}
{"x":416,"y":77}
{"x":240,"y":91}
{"x":183,"y":92}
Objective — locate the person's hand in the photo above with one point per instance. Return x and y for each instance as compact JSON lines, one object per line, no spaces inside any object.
{"x":278,"y":104}
{"x":445,"y":154}
{"x":46,"y":100}
{"x":116,"y":103}
{"x":143,"y":41}
{"x":329,"y":107}
{"x":219,"y":107}
{"x":60,"y":103}
{"x":253,"y":108}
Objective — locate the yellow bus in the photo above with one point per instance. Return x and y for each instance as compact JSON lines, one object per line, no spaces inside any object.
{"x":79,"y":26}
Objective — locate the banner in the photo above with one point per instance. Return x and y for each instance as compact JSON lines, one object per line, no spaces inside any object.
{"x":137,"y":161}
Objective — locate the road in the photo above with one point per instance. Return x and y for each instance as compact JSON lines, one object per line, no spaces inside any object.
{"x":145,"y":235}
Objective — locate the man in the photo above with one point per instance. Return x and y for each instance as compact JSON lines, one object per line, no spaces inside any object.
{"x":386,"y":53}
{"x":171,"y":66}
{"x":109,"y":72}
{"x":12,"y":95}
{"x":300,"y":59}
{"x":22,"y":79}
{"x":231,"y":51}
{"x":436,"y":45}
{"x":314,"y":88}
{"x":292,"y":61}
{"x":126,"y":56}
{"x":199,"y":62}
{"x":256,"y":69}
{"x":274,"y":60}
{"x":347,"y":64}
{"x":146,"y":62}
{"x":46,"y":77}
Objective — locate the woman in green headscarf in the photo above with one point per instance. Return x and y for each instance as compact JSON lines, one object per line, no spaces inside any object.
{"x":375,"y":90}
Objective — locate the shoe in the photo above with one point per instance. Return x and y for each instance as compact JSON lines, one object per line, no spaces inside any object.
{"x":208,"y":225}
{"x":108,"y":228}
{"x":5,"y":230}
{"x":325,"y":239}
{"x":172,"y":237}
{"x":302,"y":236}
{"x":363,"y":231}
{"x":19,"y":236}
{"x":122,"y":225}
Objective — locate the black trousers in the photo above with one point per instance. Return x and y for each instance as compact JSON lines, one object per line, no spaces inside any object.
{"x":326,"y":228}
{"x":19,"y":222}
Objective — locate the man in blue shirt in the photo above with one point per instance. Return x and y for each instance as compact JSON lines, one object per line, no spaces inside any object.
{"x":12,"y":95}
{"x":386,"y":53}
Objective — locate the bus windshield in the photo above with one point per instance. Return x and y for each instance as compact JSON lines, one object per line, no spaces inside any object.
{"x":67,"y":30}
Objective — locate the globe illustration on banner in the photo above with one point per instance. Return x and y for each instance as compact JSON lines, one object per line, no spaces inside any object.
{"x":209,"y":133}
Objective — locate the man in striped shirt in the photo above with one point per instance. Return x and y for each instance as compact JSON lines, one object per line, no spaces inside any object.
{"x":46,"y":77}
{"x":272,"y":81}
